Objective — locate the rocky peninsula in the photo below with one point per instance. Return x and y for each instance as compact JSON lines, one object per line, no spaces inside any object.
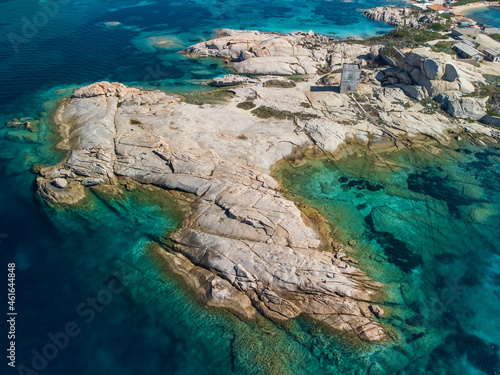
{"x":242,"y":244}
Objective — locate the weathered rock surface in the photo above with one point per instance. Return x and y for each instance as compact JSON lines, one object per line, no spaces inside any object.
{"x":436,"y":73}
{"x":467,"y":108}
{"x":242,"y":244}
{"x":71,"y":194}
{"x":230,"y":80}
{"x":60,"y":183}
{"x":421,"y":73}
{"x":255,"y":52}
{"x":401,"y":17}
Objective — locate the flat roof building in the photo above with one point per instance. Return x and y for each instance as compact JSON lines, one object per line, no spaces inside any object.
{"x":491,"y":30}
{"x":467,"y":40}
{"x":467,"y":52}
{"x":349,"y":81}
{"x":492,"y":55}
{"x":466,"y":31}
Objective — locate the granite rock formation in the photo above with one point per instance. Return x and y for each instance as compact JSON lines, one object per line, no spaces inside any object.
{"x":242,"y":244}
{"x":401,"y":17}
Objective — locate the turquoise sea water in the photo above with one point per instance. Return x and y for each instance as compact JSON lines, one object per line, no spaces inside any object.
{"x":427,"y":227}
{"x":66,"y":259}
{"x":489,"y":16}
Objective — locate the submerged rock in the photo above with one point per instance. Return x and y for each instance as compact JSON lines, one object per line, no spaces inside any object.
{"x":72,"y":194}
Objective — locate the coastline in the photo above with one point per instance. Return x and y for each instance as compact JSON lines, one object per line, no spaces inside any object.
{"x":227,"y":167}
{"x":473,"y":6}
{"x":355,"y":186}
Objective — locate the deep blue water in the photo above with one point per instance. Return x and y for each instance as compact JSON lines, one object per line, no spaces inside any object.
{"x":153,"y":325}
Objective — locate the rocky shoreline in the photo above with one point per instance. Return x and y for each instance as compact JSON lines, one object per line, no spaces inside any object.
{"x":402,"y":17}
{"x":243,"y":245}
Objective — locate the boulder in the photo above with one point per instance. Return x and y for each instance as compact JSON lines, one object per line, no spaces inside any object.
{"x":415,"y":91}
{"x":450,"y":72}
{"x":89,"y":181}
{"x":229,"y":80}
{"x":467,"y":108}
{"x":433,"y":69}
{"x":60,"y":183}
{"x":377,"y":311}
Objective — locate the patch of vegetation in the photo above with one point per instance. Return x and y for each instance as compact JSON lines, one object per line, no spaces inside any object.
{"x":347,"y":122}
{"x":323,"y":69}
{"x":484,"y":91}
{"x":407,"y":37}
{"x":436,"y":26}
{"x":443,"y":47}
{"x":247,"y":104}
{"x":445,"y":16}
{"x":213,"y":96}
{"x":493,"y":105}
{"x":267,"y":112}
{"x":305,"y":105}
{"x":135,"y":122}
{"x":243,"y":137}
{"x":495,"y":36}
{"x":279,"y":83}
{"x":492,"y":79}
{"x":119,"y":104}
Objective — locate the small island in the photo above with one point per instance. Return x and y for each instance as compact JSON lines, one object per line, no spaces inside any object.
{"x":243,"y":245}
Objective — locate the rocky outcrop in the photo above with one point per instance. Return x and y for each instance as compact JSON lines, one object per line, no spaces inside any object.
{"x":401,"y":17}
{"x":467,"y":108}
{"x":242,"y":245}
{"x":230,"y":80}
{"x":421,"y":73}
{"x":255,"y":52}
{"x":436,"y":73}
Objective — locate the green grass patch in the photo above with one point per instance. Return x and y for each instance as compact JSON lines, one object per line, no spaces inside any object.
{"x":484,"y":91}
{"x":279,"y":83}
{"x":444,"y":47}
{"x":407,"y":37}
{"x":267,"y":113}
{"x":247,"y":104}
{"x":495,"y":36}
{"x":491,"y":79}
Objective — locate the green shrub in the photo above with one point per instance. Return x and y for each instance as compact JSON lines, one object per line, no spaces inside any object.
{"x":279,"y":83}
{"x":267,"y":112}
{"x":246,"y":105}
{"x":495,"y":36}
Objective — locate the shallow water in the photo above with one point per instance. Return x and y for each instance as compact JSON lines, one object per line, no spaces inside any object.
{"x":427,"y":227}
{"x":154,"y":325}
{"x":489,"y":16}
